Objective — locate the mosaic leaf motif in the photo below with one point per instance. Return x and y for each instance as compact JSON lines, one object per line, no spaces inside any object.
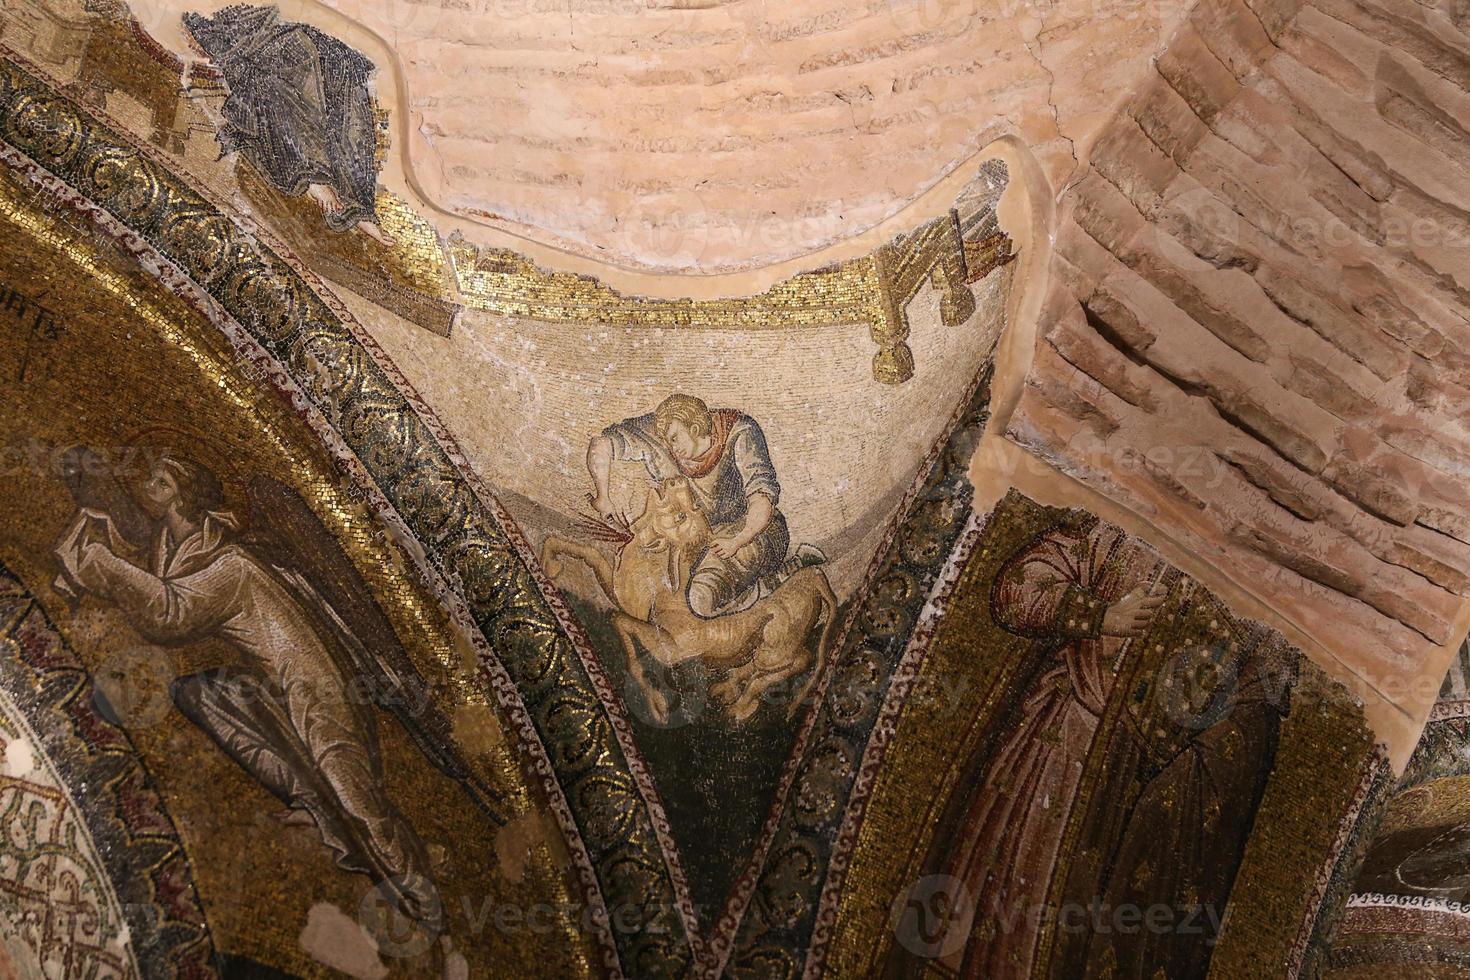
{"x":775,"y":933}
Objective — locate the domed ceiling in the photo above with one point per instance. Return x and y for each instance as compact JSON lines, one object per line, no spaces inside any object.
{"x":544,"y":488}
{"x":705,"y":137}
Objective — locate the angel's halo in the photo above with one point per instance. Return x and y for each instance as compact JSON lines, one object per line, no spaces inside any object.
{"x":198,"y":447}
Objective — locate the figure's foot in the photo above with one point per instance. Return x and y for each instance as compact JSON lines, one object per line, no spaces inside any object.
{"x":326,"y":198}
{"x":745,"y":708}
{"x":724,"y":693}
{"x":295,"y":818}
{"x":657,"y":704}
{"x":377,"y":234}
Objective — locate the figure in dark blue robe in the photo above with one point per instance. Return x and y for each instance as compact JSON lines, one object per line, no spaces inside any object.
{"x":298,"y":109}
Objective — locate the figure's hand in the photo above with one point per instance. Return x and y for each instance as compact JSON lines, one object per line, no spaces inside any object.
{"x":1130,"y":615}
{"x":724,"y":547}
{"x":603,"y":508}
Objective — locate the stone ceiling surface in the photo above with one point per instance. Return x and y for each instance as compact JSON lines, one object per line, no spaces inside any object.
{"x":1231,"y":344}
{"x":1246,"y":310}
{"x":1256,"y":332}
{"x":701,"y":136}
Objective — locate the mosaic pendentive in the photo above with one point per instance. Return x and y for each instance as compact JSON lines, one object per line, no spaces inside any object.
{"x":772,"y":697}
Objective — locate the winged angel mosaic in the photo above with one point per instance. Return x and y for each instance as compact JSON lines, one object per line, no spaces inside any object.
{"x":314,"y":651}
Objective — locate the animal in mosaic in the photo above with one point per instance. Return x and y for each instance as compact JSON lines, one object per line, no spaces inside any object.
{"x":752,"y":649}
{"x":722,"y":457}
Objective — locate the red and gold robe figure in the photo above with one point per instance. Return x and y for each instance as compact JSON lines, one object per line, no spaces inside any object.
{"x":1085,"y":587}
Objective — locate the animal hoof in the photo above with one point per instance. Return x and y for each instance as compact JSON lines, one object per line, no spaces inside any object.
{"x":743,"y":712}
{"x":658,"y":707}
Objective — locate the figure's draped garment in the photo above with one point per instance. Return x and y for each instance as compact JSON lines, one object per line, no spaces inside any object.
{"x":1056,"y":590}
{"x":299,"y":107}
{"x":1201,"y":787}
{"x":740,"y":469}
{"x":285,"y":712}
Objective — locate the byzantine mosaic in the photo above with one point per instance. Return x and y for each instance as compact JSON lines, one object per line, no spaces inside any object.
{"x":682,"y":619}
{"x":61,"y":915}
{"x":270,"y":777}
{"x":1407,"y":908}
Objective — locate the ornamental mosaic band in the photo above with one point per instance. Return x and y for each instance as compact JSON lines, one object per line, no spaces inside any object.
{"x":722,"y":453}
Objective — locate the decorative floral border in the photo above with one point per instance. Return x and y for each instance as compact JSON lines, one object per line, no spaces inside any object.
{"x":1334,"y":880}
{"x":1460,"y":910}
{"x":126,"y":818}
{"x":288,"y":332}
{"x":821,"y":782}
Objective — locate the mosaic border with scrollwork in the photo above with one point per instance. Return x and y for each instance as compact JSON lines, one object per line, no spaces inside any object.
{"x":1446,"y":710}
{"x":901,"y":687}
{"x":1361,"y":927}
{"x":1403,"y":931}
{"x":127,"y":820}
{"x":827,"y":761}
{"x":493,"y":571}
{"x":538,"y":674}
{"x":1335,"y":882}
{"x":260,"y":365}
{"x":1442,"y":747}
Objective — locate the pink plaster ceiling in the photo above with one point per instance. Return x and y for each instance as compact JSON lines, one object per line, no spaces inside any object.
{"x":704,"y":137}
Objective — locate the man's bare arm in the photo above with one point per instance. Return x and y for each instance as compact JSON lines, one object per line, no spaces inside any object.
{"x":760,"y":510}
{"x":599,"y":466}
